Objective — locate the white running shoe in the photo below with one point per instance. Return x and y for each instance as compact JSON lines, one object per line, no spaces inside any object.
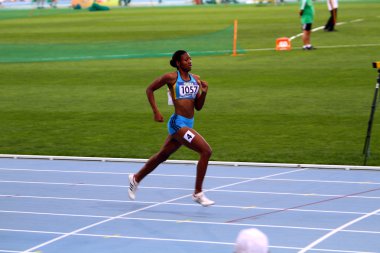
{"x":132,"y":187}
{"x":202,"y":199}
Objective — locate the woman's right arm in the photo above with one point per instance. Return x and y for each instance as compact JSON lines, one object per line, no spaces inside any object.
{"x":158,"y":83}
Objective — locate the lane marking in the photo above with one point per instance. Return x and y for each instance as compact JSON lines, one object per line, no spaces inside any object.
{"x":301,"y":206}
{"x":121,"y":237}
{"x":195,"y":222}
{"x":186,"y":162}
{"x":213,"y":177}
{"x":142,"y":209}
{"x":97,"y":224}
{"x":217,"y":223}
{"x":190,"y":189}
{"x":181,"y":240}
{"x":182,"y":175}
{"x":186,"y":204}
{"x":311,"y":245}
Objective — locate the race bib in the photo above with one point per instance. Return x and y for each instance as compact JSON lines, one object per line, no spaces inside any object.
{"x":188,"y":89}
{"x":189,"y":136}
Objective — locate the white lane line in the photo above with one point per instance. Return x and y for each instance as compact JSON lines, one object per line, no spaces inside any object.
{"x":97,"y":224}
{"x":176,"y":189}
{"x":181,"y":221}
{"x":142,"y":209}
{"x":211,"y":177}
{"x":169,"y":175}
{"x":311,"y":245}
{"x":117,"y":236}
{"x":184,"y":204}
{"x":179,"y":240}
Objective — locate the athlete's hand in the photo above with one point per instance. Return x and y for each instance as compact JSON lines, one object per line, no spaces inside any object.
{"x":204,"y":86}
{"x":158,"y":117}
{"x":301,"y":12}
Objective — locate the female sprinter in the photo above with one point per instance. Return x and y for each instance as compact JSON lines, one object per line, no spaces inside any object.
{"x":188,"y":93}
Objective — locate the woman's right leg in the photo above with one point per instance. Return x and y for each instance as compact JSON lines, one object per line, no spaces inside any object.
{"x":171,"y":145}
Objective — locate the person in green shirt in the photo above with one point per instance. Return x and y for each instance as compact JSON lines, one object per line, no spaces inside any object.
{"x":307,"y":17}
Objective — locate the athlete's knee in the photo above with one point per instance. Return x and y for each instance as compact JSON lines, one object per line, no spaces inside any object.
{"x":206,"y":152}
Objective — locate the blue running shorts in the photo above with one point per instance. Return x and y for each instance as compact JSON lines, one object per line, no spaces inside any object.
{"x":176,"y":122}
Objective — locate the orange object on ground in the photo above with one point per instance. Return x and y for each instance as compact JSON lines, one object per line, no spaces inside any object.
{"x":283,"y":44}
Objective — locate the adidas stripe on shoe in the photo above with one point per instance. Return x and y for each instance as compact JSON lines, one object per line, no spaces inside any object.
{"x":132,"y":187}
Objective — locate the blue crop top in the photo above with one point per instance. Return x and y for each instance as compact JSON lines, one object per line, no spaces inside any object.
{"x":185,"y":89}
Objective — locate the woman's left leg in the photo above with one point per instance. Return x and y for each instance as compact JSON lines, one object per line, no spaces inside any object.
{"x":193,"y":140}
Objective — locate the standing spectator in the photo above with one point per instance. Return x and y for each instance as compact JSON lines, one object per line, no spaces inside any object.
{"x":251,"y":240}
{"x":307,"y":16}
{"x":332,"y":5}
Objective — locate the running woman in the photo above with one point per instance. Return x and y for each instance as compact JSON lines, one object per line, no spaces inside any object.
{"x":188,"y":92}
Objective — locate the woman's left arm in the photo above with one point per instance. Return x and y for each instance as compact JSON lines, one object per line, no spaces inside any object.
{"x":201,"y":97}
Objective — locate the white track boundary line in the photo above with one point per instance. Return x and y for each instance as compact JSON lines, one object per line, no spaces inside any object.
{"x":186,"y":204}
{"x":311,"y":245}
{"x":182,"y":221}
{"x":176,"y":188}
{"x":190,"y":189}
{"x":221,"y":163}
{"x":159,"y":175}
{"x":118,"y":236}
{"x":179,"y":240}
{"x":178,"y":175}
{"x":171,"y":175}
{"x":138,"y":210}
{"x":97,"y":224}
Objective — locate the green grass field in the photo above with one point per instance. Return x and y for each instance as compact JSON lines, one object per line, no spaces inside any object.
{"x":263,"y":106}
